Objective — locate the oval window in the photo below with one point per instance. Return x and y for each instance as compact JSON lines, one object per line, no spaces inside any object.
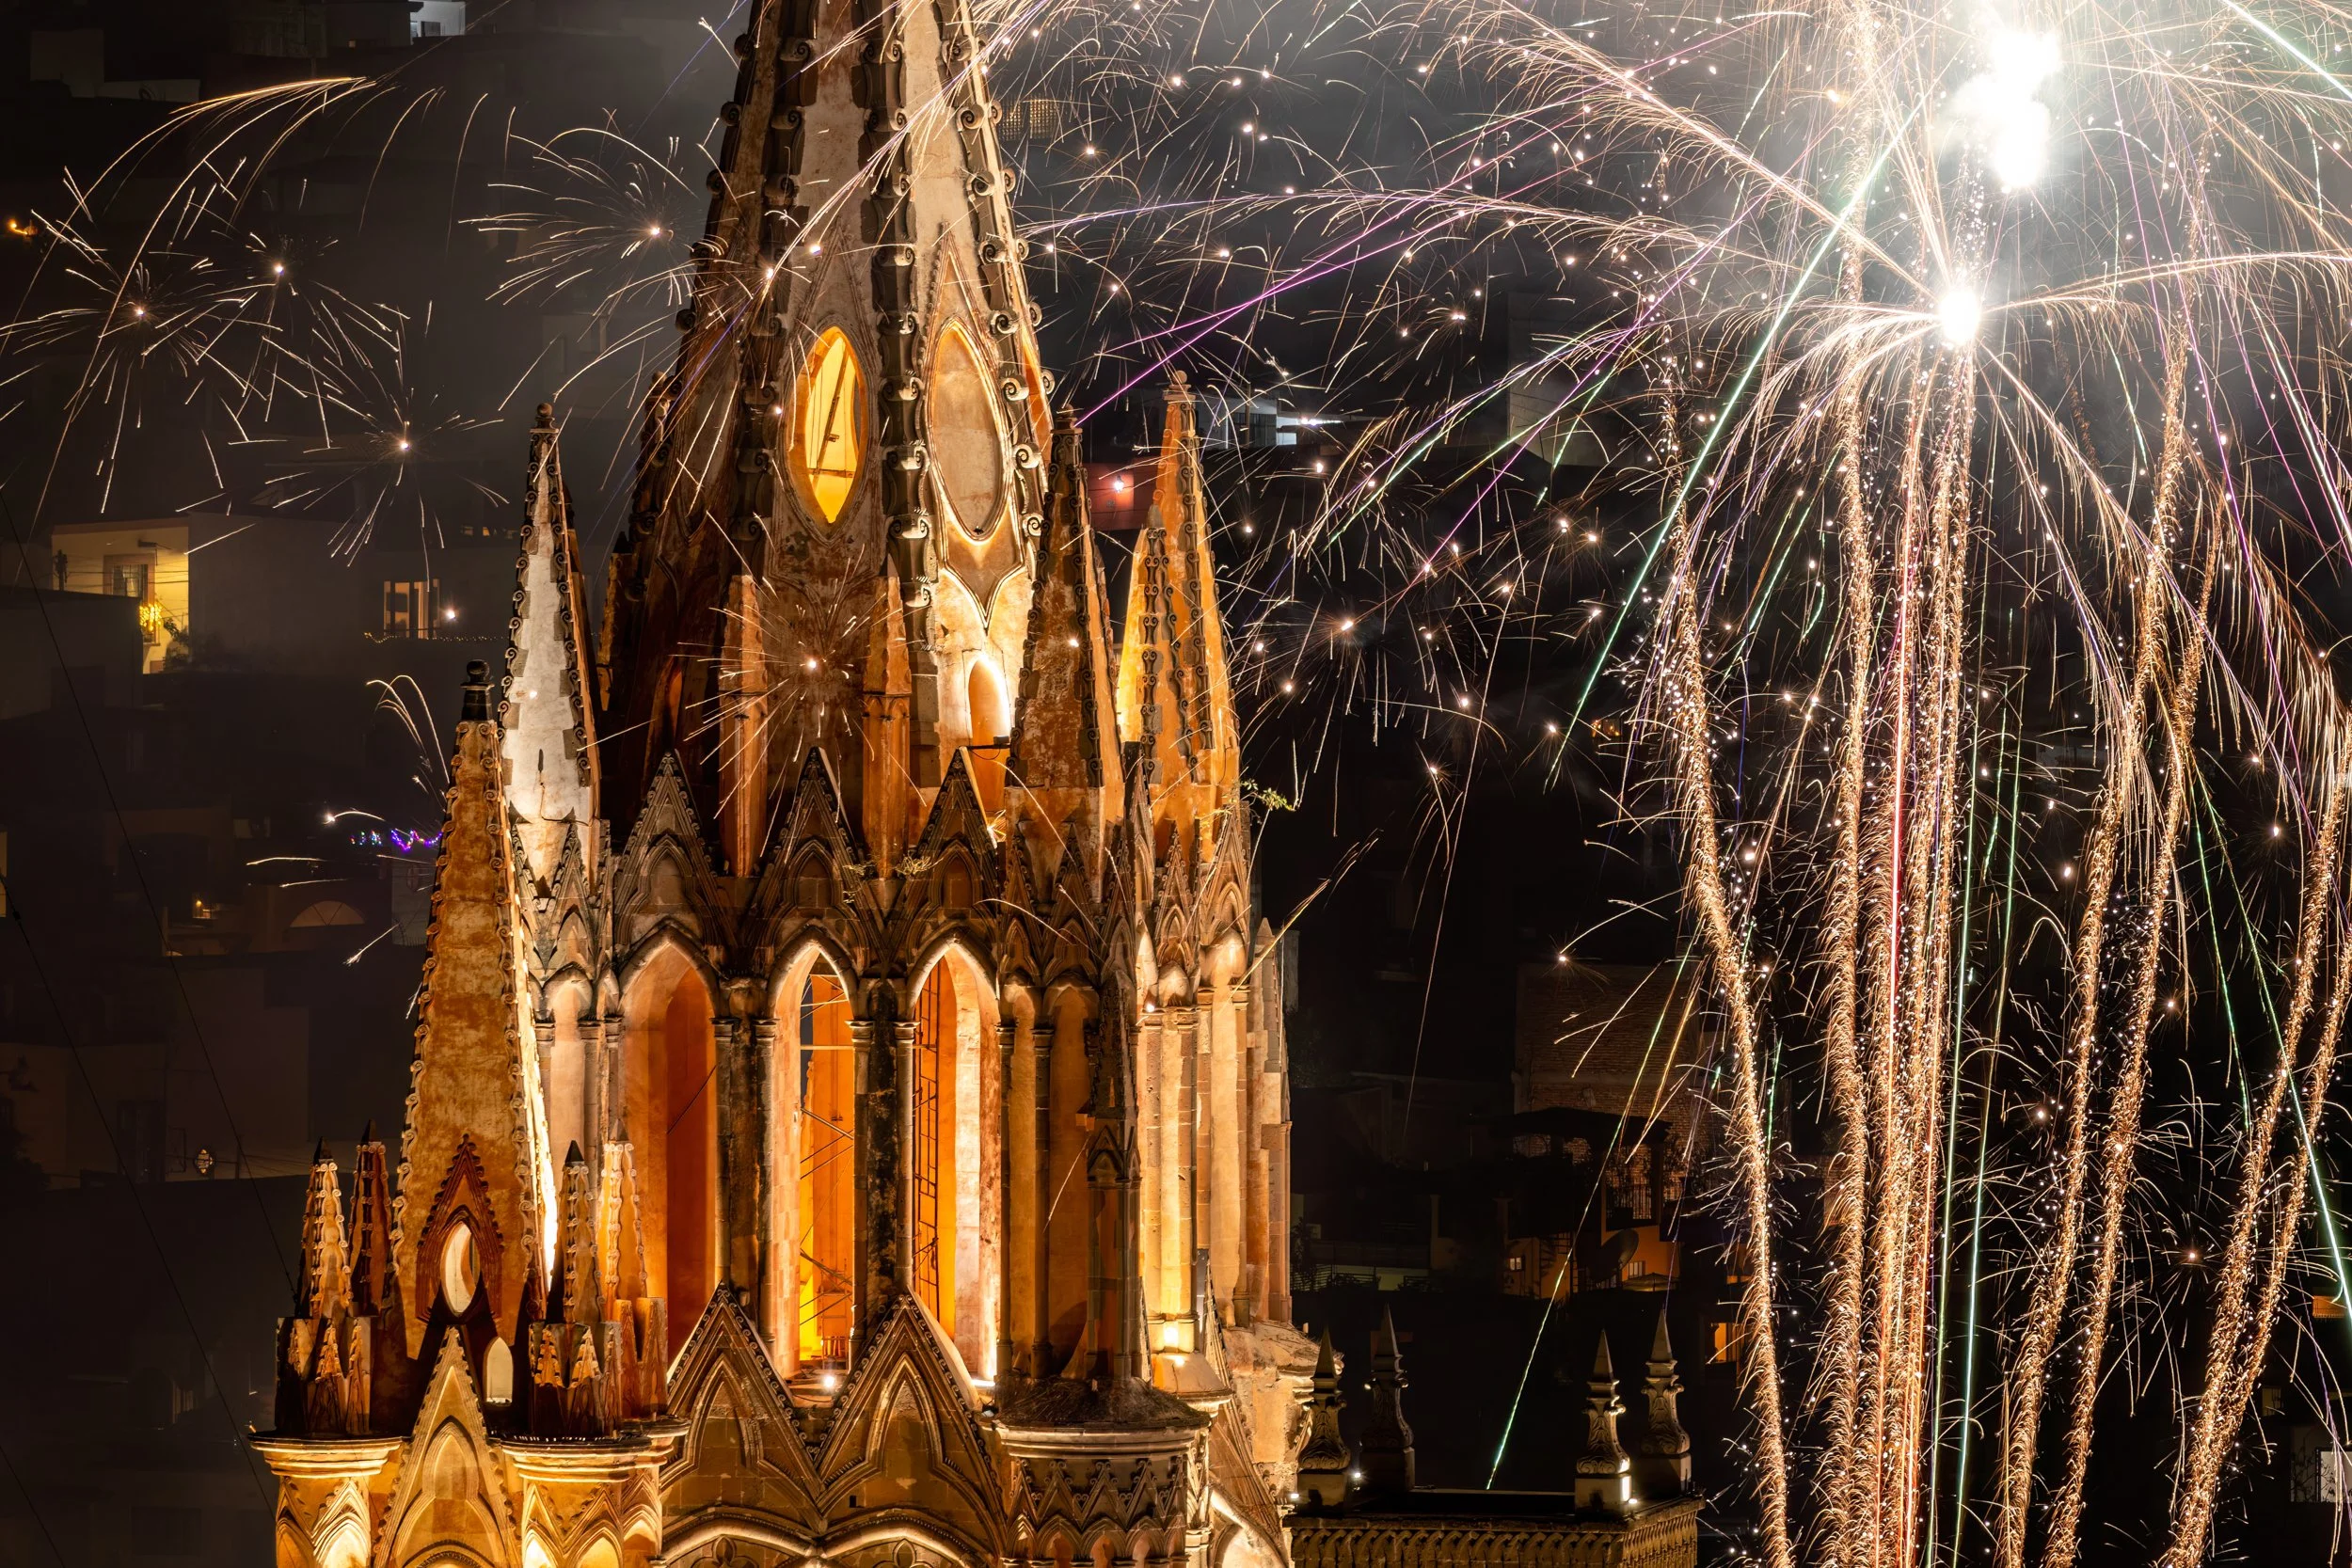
{"x":830,"y":443}
{"x":967,"y":440}
{"x":461,"y":1268}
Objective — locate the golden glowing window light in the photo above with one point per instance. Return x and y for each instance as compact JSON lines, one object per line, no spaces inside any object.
{"x":832,"y":433}
{"x":828,"y":1173}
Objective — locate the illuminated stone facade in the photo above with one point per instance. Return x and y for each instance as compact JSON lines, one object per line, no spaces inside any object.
{"x":849,"y":1116}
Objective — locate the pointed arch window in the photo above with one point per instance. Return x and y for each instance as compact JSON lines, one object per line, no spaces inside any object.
{"x":829,"y":432}
{"x":955,"y":1208}
{"x":828,"y":1168}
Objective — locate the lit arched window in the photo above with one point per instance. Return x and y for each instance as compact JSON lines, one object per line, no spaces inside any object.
{"x":829,"y":442}
{"x":984,"y":694}
{"x":990,"y":718}
{"x":956,"y":1196}
{"x":828,"y":1160}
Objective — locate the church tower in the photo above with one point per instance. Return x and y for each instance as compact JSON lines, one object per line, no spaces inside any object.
{"x":851,"y":1111}
{"x":844,"y":478}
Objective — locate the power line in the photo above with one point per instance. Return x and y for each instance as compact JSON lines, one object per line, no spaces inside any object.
{"x":41,"y":1523}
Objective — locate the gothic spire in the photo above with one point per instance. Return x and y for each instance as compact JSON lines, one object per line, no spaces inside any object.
{"x":1388,"y":1440}
{"x":1174,"y":695}
{"x":1663,"y":1460}
{"x":549,"y":748}
{"x":1324,"y":1463}
{"x":372,"y":1287}
{"x":1065,"y":737}
{"x":473,"y":1168}
{"x":577,"y":1274}
{"x":324,"y":1360}
{"x":1603,"y":1473}
{"x":325,"y":1288}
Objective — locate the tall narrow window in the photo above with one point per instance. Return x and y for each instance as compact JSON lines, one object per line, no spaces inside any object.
{"x":670,"y":1095}
{"x":689,"y":1135}
{"x":954,"y":1208}
{"x":992,"y":727}
{"x":828,"y":1171}
{"x":933,"y":1219}
{"x":830,"y":441}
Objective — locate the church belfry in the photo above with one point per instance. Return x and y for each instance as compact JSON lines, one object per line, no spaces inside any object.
{"x":843,"y":477}
{"x":844,"y":1118}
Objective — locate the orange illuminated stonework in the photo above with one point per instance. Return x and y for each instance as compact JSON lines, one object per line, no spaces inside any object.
{"x":849,"y":1117}
{"x":849,"y":1120}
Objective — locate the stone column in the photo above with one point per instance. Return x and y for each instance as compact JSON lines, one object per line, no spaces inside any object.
{"x":1278,"y":1286}
{"x":593,"y":1107}
{"x":1224,"y":1114}
{"x":875,"y":1151}
{"x":1040,"y":1185}
{"x":742,"y":728}
{"x":772,"y":1228}
{"x":1385,"y":1447}
{"x":614,"y":1063}
{"x":1249,"y":1298}
{"x":1068,"y":1070}
{"x":738,"y":1126}
{"x":1009,"y":1238}
{"x":543,"y":1042}
{"x":1155,"y":1223}
{"x":1661,"y":1464}
{"x":1190,"y":1040}
{"x":1275,"y":1135}
{"x":901,"y":1185}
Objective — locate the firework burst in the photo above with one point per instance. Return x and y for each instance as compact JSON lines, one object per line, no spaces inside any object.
{"x":1976,"y":366}
{"x":2015,"y":321}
